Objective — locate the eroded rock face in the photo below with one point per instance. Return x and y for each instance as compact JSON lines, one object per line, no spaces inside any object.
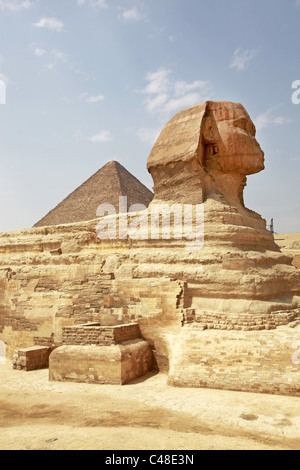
{"x":238,"y":281}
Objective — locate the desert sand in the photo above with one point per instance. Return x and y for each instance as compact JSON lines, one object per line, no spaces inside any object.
{"x":289,"y":243}
{"x":146,"y":414}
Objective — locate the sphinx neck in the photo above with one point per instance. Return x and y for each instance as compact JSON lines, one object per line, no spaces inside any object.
{"x":230,"y":186}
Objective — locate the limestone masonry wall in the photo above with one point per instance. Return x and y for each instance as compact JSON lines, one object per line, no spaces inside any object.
{"x":252,"y":361}
{"x":244,"y":322}
{"x":97,"y":335}
{"x":39,"y":300}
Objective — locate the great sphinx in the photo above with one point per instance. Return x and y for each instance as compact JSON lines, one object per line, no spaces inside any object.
{"x":239,"y":281}
{"x":223,"y":316}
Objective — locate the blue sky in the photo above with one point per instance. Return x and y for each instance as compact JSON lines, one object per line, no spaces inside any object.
{"x":92,"y":81}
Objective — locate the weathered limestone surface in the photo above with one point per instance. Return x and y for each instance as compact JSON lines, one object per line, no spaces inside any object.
{"x":101,"y":354}
{"x":212,"y":316}
{"x":289,"y":243}
{"x":251,"y":361}
{"x":94,"y":334}
{"x":118,"y":364}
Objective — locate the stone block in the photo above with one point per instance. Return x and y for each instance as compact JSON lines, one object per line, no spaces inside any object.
{"x":95,"y":334}
{"x":34,"y":358}
{"x":114,"y":364}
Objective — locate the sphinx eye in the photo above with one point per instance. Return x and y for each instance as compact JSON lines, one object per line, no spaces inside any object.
{"x":252,"y":129}
{"x":242,"y":123}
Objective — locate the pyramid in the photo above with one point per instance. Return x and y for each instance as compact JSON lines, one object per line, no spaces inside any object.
{"x":104,"y":187}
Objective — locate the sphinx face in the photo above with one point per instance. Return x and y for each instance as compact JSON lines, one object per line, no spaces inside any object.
{"x":234,"y":147}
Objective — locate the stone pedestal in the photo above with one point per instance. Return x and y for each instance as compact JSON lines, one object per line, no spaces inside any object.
{"x":101,"y":354}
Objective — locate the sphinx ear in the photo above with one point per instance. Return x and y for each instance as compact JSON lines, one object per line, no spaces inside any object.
{"x":209,"y":141}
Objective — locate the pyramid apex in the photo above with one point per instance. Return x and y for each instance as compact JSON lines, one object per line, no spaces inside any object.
{"x":111,"y":164}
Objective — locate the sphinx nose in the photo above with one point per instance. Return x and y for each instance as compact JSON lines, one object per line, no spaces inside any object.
{"x":259,"y":147}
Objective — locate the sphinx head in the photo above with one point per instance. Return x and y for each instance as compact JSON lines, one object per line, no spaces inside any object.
{"x":209,"y":148}
{"x":228,"y":141}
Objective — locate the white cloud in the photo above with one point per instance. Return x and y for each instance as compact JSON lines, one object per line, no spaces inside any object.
{"x":39,"y":52}
{"x":50,"y":66}
{"x":93,"y":3}
{"x":82,"y":96}
{"x":3,"y":84}
{"x":99,"y":4}
{"x":157,"y":103}
{"x":4,"y":78}
{"x":158,"y":82}
{"x":55,"y":58}
{"x":269,"y":118}
{"x":165,"y":95}
{"x":103,"y":136}
{"x":148,"y":135}
{"x":186,"y":101}
{"x":182,"y":88}
{"x":95,"y":99}
{"x":50,"y":23}
{"x":60,"y":56}
{"x":241,"y":58}
{"x":157,"y":32}
{"x":132,"y":15}
{"x":91,"y":99}
{"x":14,"y":5}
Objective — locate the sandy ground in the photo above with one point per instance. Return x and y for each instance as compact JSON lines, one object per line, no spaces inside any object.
{"x":289,"y":243}
{"x":288,"y":239}
{"x":36,"y":414}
